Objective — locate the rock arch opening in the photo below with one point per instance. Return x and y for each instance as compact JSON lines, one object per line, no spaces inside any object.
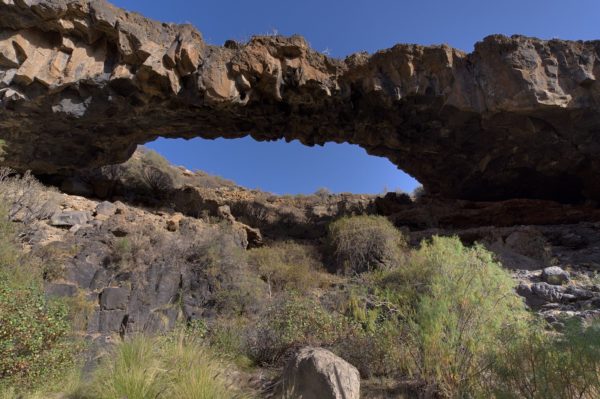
{"x":517,"y":117}
{"x":288,"y":168}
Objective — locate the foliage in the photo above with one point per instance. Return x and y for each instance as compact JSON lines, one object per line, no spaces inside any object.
{"x":379,"y":351}
{"x":365,"y":243}
{"x":457,"y":324}
{"x":26,"y":199}
{"x":218,"y":259}
{"x":163,"y":367}
{"x":224,"y":337}
{"x":32,"y":333}
{"x":535,"y":364}
{"x":290,"y":266}
{"x":53,"y":257}
{"x":33,"y":329}
{"x":293,"y":321}
{"x":323,"y":193}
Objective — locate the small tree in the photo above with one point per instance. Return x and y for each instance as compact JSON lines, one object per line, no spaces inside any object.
{"x":157,"y":180}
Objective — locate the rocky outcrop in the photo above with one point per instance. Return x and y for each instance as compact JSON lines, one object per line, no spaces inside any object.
{"x":316,"y":373}
{"x":83,"y":82}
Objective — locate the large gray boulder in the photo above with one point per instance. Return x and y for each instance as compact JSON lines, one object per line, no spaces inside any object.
{"x":70,"y":218}
{"x":316,"y":373}
{"x":555,"y":275}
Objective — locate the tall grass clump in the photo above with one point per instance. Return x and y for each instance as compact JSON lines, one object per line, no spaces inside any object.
{"x":365,"y":243}
{"x":162,"y":367}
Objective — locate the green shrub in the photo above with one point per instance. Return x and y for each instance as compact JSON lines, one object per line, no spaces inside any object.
{"x":132,"y":371}
{"x":290,"y":266}
{"x":32,"y":334}
{"x":33,"y":329}
{"x":461,"y":314}
{"x":175,"y":366}
{"x":365,"y":243}
{"x":224,"y":337}
{"x":536,"y":364}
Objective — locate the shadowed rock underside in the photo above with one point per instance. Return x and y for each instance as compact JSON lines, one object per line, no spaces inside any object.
{"x":82,"y":83}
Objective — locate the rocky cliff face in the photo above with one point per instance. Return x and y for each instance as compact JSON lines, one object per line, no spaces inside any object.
{"x":82,"y":83}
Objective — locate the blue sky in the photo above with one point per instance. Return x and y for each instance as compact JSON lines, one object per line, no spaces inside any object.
{"x":341,"y":28}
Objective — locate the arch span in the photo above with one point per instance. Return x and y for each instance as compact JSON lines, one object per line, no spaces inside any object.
{"x":83,"y":82}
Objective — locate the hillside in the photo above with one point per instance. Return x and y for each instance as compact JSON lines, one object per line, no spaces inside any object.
{"x":254,"y":276}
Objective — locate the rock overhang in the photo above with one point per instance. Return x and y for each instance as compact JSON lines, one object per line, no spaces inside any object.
{"x":82,"y":83}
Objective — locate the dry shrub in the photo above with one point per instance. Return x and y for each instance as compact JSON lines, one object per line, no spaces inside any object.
{"x":157,"y":180}
{"x":217,"y":258}
{"x":364,"y":243}
{"x":26,"y":198}
{"x":292,"y":321}
{"x":290,"y":266}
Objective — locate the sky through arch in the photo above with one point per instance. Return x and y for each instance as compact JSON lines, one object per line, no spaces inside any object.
{"x":340,"y":28}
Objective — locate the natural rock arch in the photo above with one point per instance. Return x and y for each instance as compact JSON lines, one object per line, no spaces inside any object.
{"x":83,"y":82}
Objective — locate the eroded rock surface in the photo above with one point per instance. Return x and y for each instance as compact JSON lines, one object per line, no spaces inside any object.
{"x":316,"y":373}
{"x":83,"y":82}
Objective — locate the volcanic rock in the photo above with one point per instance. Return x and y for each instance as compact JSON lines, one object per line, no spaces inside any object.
{"x":83,"y":82}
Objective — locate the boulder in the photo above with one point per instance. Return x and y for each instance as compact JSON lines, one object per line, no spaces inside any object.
{"x":113,"y":298}
{"x":108,"y":321}
{"x":528,"y":242}
{"x":59,"y":290}
{"x":549,"y":293}
{"x":106,"y":208}
{"x":555,"y":275}
{"x":70,"y":218}
{"x":316,"y":373}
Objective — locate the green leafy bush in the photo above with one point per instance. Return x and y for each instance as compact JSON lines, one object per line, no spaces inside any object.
{"x":32,"y":333}
{"x":365,"y":243}
{"x":461,"y":314}
{"x":33,"y":329}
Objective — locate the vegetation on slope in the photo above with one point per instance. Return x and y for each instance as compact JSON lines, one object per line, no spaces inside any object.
{"x":36,"y":344}
{"x":443,"y":316}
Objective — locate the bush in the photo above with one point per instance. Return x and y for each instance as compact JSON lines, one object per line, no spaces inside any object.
{"x":461,"y":314}
{"x":219,"y":260}
{"x":377,"y":352}
{"x":32,"y":334}
{"x":33,"y":329}
{"x":175,"y":366}
{"x":292,"y":321}
{"x":534,"y":364}
{"x":290,"y":266}
{"x":225,"y":338}
{"x":26,"y":199}
{"x":365,"y":243}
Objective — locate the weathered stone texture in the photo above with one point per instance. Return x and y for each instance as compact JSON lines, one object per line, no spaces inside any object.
{"x":83,"y":82}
